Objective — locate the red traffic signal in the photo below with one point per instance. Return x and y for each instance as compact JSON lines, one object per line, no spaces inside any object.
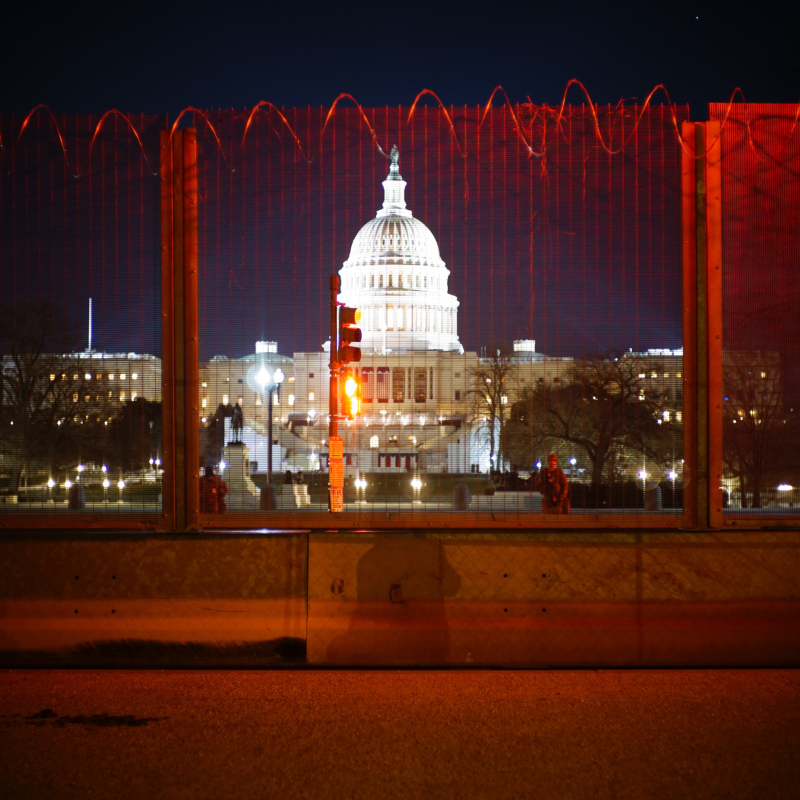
{"x":351,"y":397}
{"x":349,"y":332}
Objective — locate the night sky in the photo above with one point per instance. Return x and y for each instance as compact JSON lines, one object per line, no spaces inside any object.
{"x":157,"y":59}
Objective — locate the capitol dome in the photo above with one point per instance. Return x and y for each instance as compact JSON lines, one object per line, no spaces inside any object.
{"x":389,"y":238}
{"x":397,"y":279}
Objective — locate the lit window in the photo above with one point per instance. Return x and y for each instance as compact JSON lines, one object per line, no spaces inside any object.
{"x":679,"y":416}
{"x":503,"y":399}
{"x":311,"y":397}
{"x":52,"y":376}
{"x":653,"y":374}
{"x":291,"y":400}
{"x":99,"y":376}
{"x":224,"y":399}
{"x":122,"y":377}
{"x":641,"y":376}
{"x":205,"y":402}
{"x":373,"y":441}
{"x":134,"y":375}
{"x":133,"y":395}
{"x":258,"y":401}
{"x":87,"y":398}
{"x":205,"y":385}
{"x":88,"y":376}
{"x":75,"y":397}
{"x":666,"y":416}
{"x":679,"y":374}
{"x":122,"y":397}
{"x":75,"y":376}
{"x":666,"y":374}
{"x":763,"y":374}
{"x":111,"y":376}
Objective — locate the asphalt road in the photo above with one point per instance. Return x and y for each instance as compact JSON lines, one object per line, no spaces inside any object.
{"x":384,"y":734}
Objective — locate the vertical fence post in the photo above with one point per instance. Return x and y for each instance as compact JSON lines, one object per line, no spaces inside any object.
{"x":179,"y":366}
{"x":714,"y":332}
{"x":701,"y":299}
{"x":179,"y":330}
{"x":689,"y":238}
{"x":190,"y":332}
{"x":168,"y":473}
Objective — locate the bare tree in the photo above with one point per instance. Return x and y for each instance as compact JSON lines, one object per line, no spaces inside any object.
{"x":758,"y":429}
{"x":44,"y":389}
{"x":488,"y":399}
{"x":134,"y":435}
{"x":603,"y":408}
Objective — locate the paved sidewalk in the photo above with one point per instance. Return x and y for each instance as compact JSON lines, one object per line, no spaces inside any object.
{"x":386,"y":734}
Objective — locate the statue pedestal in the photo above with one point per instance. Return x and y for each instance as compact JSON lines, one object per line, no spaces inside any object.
{"x":242,"y":492}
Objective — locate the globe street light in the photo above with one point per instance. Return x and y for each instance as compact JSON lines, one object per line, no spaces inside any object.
{"x":271,"y":383}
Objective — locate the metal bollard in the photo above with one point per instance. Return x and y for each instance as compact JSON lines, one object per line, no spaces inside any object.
{"x":461,"y":497}
{"x":76,"y":500}
{"x":269,"y":498}
{"x":652,"y":499}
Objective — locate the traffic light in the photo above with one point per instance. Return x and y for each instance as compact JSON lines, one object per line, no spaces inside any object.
{"x":351,"y":400}
{"x":349,"y":332}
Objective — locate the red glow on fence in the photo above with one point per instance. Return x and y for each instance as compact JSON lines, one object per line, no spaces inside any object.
{"x":374,"y":135}
{"x":444,"y":109}
{"x":261,"y":106}
{"x":540,"y":113}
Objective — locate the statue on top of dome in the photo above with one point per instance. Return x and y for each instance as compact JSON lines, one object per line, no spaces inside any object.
{"x":394,"y":170}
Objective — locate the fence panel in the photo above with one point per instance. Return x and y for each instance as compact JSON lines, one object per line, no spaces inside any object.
{"x":80,"y":337}
{"x":761,"y":296}
{"x":519,"y":278}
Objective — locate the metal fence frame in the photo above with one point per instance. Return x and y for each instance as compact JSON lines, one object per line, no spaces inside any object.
{"x":702,"y":328}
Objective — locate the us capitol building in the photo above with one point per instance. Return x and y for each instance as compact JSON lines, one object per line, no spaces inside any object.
{"x":419,"y":409}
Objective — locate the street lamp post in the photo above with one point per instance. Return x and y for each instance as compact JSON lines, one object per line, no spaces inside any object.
{"x":273,"y":383}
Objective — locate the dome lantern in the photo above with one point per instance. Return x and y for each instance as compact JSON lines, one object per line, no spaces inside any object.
{"x":394,"y":190}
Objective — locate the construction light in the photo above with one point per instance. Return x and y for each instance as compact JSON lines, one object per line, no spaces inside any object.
{"x":349,"y":332}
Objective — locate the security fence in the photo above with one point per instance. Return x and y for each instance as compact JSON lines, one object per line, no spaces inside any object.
{"x":80,"y":335}
{"x":532,"y":281}
{"x":760,"y":301}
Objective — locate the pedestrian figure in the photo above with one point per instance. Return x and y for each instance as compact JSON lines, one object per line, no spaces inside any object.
{"x":552,"y":483}
{"x":212,"y":492}
{"x":237,"y":423}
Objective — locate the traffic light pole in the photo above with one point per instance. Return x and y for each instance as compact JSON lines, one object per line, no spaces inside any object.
{"x":333,"y":426}
{"x":335,"y":449}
